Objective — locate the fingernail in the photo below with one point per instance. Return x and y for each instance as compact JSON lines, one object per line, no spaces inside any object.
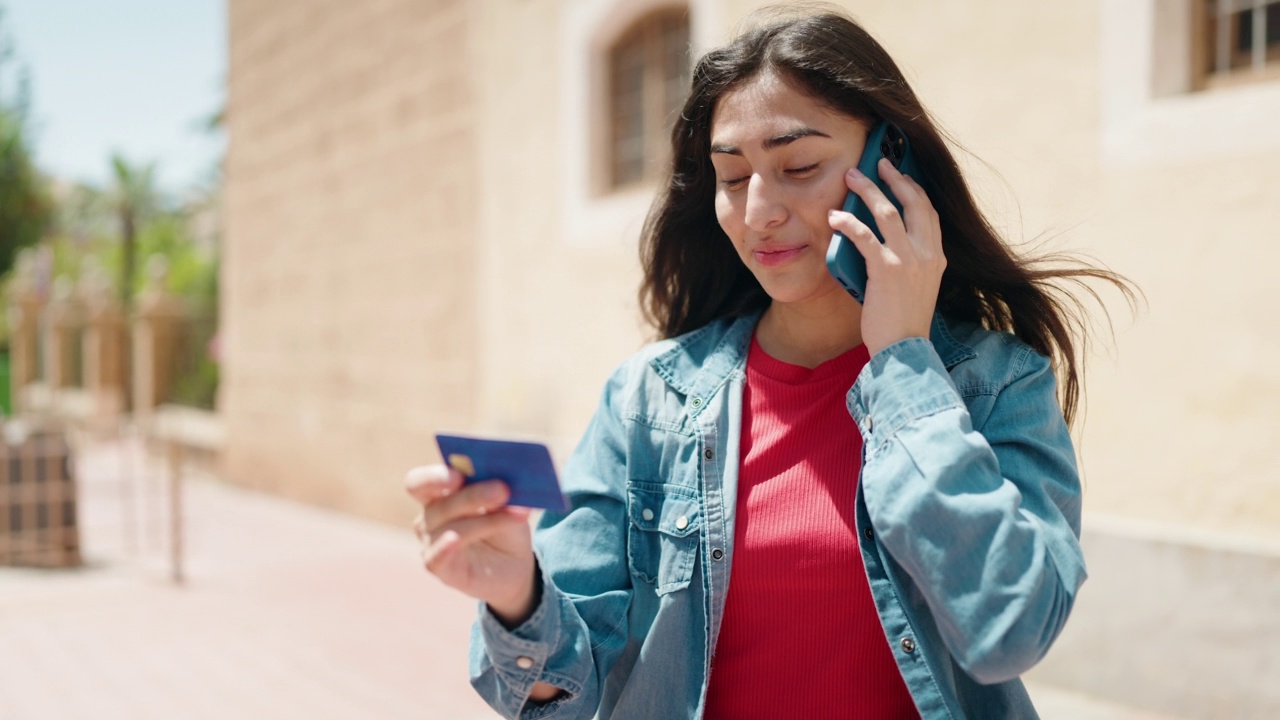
{"x":855,"y":173}
{"x":831,"y":214}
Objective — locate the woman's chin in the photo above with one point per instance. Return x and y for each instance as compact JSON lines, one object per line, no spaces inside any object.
{"x":825,"y":290}
{"x":789,"y":294}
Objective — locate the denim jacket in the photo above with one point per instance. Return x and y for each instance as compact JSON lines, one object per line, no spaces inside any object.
{"x":968,"y":503}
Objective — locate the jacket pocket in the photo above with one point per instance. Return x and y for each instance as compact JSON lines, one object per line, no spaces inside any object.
{"x":662,"y":537}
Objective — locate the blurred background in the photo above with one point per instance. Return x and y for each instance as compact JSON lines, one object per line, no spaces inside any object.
{"x":255,"y":254}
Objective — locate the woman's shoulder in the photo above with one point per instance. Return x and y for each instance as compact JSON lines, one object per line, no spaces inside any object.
{"x":995,"y":357}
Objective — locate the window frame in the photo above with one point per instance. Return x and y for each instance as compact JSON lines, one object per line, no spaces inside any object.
{"x":648,"y":31}
{"x":1205,"y":46}
{"x":1146,"y":122}
{"x":591,"y":216}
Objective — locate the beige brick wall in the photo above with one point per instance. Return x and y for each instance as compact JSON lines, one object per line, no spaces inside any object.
{"x":558,"y":316}
{"x":348,"y":294}
{"x":397,"y":173}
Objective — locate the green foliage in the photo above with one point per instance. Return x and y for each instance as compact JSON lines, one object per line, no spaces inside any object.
{"x":116,"y":229}
{"x":6,"y":403}
{"x":25,"y":205}
{"x":88,"y":233}
{"x":135,"y":200}
{"x":197,"y":386}
{"x":192,"y":275}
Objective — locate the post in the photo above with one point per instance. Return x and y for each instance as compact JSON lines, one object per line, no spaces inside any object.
{"x":103,"y":358}
{"x":63,"y":320}
{"x":155,"y":335}
{"x":156,"y":325}
{"x":104,"y":378}
{"x":175,"y":453}
{"x":24,"y":329}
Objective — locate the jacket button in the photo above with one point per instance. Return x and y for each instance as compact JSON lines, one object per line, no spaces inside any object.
{"x":696,"y":403}
{"x":524,"y":663}
{"x":709,"y":454}
{"x":908,"y":645}
{"x":682,"y":522}
{"x":870,"y":424}
{"x":866,"y":533}
{"x":717,"y":554}
{"x":647,"y":514}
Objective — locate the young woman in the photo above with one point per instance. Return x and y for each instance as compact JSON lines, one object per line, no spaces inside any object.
{"x":796,"y":505}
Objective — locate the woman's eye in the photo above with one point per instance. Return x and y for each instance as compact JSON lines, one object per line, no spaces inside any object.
{"x":733,"y":182}
{"x":803,"y":170}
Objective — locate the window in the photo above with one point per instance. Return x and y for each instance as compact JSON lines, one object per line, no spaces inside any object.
{"x":1149,"y":115}
{"x":649,"y":68}
{"x":1237,"y":40}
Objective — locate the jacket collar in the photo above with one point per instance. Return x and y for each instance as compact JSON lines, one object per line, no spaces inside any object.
{"x":698,"y":363}
{"x":950,"y":350}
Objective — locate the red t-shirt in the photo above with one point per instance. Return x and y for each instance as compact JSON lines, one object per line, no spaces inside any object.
{"x":801,"y":637}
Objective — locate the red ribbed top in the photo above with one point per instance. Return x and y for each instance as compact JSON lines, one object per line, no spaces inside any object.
{"x":800,"y":636}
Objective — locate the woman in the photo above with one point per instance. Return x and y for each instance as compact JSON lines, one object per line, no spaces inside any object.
{"x":796,"y":505}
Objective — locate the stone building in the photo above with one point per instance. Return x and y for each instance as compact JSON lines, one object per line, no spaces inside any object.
{"x":432,"y":210}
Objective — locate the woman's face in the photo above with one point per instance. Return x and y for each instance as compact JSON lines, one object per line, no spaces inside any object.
{"x":780,"y":160}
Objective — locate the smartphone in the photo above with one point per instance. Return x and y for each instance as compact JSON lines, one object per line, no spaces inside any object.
{"x":844,"y":262}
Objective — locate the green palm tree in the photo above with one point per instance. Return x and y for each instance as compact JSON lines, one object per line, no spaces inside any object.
{"x":135,"y":199}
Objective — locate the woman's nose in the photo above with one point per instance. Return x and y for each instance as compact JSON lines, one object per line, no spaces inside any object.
{"x":764,"y":208}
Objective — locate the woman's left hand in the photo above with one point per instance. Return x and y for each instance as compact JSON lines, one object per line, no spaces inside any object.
{"x":905,"y":273}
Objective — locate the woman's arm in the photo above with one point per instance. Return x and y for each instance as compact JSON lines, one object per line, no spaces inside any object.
{"x":557,"y":659}
{"x":984,"y":520}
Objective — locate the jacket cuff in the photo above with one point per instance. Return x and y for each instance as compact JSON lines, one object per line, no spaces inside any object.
{"x":519,"y":655}
{"x":902,"y":383}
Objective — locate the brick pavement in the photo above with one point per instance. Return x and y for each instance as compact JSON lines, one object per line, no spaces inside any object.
{"x":289,"y":612}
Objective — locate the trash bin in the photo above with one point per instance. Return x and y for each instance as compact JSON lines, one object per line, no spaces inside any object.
{"x":38,"y":510}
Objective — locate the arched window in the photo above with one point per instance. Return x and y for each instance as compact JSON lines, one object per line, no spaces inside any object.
{"x":648,"y":73}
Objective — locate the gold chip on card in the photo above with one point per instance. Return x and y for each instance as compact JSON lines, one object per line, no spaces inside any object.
{"x":462,"y":464}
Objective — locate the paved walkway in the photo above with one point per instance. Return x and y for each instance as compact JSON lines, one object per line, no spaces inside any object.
{"x":288,"y":612}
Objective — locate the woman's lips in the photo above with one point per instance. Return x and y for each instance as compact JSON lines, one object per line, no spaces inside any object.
{"x":770,"y":258}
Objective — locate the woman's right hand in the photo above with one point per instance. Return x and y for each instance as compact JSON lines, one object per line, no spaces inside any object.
{"x":474,"y":542}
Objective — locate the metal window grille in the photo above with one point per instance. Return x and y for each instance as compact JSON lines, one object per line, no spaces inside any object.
{"x":649,"y":69}
{"x":38,"y":510}
{"x":1243,"y":35}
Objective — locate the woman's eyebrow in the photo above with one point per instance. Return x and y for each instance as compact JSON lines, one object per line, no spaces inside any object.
{"x":773,"y":142}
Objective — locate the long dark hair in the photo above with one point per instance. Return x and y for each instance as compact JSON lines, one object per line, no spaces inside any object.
{"x":693,"y":276}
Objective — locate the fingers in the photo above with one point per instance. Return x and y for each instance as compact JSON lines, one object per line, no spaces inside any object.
{"x":887,"y":218}
{"x":458,"y":534}
{"x":473,"y":500}
{"x":857,"y":232}
{"x":921,"y":218}
{"x":429,"y":483}
{"x":918,"y":233}
{"x":906,"y":194}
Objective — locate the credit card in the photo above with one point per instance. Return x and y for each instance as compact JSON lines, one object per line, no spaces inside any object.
{"x":525,"y":467}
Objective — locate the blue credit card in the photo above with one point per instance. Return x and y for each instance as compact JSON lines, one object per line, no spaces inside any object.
{"x":525,"y":467}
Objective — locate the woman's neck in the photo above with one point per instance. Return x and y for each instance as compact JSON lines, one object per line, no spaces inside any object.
{"x":811,"y":333}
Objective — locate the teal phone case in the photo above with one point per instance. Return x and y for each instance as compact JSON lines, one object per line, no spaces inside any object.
{"x":844,"y":262}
